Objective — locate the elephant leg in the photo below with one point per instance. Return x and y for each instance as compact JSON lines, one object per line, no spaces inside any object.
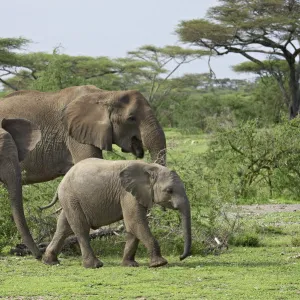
{"x":63,"y":230}
{"x":130,"y":250}
{"x":135,"y":219}
{"x":81,"y":228}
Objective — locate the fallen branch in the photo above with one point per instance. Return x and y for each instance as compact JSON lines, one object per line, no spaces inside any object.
{"x":22,"y":250}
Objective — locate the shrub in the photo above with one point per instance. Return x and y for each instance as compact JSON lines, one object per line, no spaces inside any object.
{"x":250,"y":162}
{"x":295,"y":241}
{"x":245,"y":239}
{"x":8,"y":229}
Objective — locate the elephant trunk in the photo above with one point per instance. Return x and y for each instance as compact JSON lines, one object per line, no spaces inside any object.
{"x":153,"y":138}
{"x":14,"y":187}
{"x":185,"y":212}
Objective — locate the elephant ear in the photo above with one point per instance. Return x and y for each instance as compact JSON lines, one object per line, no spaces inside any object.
{"x":138,"y":179}
{"x":87,"y":121}
{"x":24,"y":133}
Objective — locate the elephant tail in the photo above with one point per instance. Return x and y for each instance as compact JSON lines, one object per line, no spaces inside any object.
{"x":54,"y":200}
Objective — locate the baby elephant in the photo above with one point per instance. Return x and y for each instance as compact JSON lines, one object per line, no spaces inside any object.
{"x":97,"y":192}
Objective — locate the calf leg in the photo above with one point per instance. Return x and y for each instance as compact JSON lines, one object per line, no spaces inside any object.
{"x":81,"y":228}
{"x":135,"y":218}
{"x":63,"y":230}
{"x":130,"y":250}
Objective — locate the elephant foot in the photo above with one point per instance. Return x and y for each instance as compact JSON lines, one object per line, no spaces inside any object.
{"x":92,"y":263}
{"x":158,"y":262}
{"x":22,"y":250}
{"x":129,"y":263}
{"x":50,"y":259}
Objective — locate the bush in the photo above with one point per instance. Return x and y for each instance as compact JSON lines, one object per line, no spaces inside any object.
{"x":245,"y":239}
{"x":8,"y":229}
{"x":295,"y":241}
{"x":250,"y":162}
{"x":42,"y":224}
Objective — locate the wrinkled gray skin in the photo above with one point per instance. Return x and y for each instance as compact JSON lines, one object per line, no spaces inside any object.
{"x":96,"y":192}
{"x":79,"y":122}
{"x":17,"y":138}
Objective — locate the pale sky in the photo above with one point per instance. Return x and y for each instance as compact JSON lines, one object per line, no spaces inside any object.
{"x":107,"y":27}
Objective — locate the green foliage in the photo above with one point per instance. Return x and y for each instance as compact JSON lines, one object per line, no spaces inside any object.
{"x":269,"y":229}
{"x":7,"y":48}
{"x":56,"y":75}
{"x":268,"y":99}
{"x":201,"y":110}
{"x":2,"y":94}
{"x":8,"y":56}
{"x":267,"y":66}
{"x":245,"y":239}
{"x":249,"y":162}
{"x":8,"y":230}
{"x":295,"y":241}
{"x":41,"y":223}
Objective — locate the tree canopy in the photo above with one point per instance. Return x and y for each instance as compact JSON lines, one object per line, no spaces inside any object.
{"x":249,"y":28}
{"x":9,"y":56}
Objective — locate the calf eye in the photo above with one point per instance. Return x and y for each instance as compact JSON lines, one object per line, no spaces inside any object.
{"x":169,"y":190}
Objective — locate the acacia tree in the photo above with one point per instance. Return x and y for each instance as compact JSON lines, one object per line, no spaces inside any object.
{"x":250,"y":27}
{"x":278,"y":69}
{"x":8,"y":56}
{"x":162,"y":64}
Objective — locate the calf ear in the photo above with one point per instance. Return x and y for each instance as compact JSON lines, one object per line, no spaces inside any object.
{"x":24,"y":133}
{"x":137,"y":180}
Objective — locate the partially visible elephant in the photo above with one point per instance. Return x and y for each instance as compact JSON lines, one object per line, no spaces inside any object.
{"x":97,"y":192}
{"x":17,"y":138}
{"x":81,"y":121}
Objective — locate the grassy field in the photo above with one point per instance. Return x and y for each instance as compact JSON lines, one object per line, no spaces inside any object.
{"x":268,"y":271}
{"x":182,"y":145}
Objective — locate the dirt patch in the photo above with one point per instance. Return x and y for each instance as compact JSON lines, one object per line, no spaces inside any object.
{"x":268,"y":208}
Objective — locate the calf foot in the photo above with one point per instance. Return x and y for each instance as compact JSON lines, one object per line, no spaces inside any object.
{"x":157,"y":262}
{"x":129,"y":263}
{"x":92,"y":263}
{"x":50,"y":259}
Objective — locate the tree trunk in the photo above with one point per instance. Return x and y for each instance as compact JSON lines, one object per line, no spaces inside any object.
{"x":294,"y":89}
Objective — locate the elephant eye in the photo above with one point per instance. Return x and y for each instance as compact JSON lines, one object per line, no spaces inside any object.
{"x":132,"y":118}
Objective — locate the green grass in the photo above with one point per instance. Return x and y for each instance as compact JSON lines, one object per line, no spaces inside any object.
{"x":270,"y":271}
{"x":180,"y":144}
{"x":241,"y":273}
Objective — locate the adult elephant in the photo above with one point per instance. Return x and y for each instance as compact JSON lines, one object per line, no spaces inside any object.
{"x":79,"y":122}
{"x":17,"y":138}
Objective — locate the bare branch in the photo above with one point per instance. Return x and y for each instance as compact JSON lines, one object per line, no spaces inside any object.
{"x":9,"y":84}
{"x":104,"y":73}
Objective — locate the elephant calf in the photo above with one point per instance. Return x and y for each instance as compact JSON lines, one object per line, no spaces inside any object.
{"x":97,"y":192}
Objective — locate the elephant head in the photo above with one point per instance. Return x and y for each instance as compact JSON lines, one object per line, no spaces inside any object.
{"x":124,"y":118}
{"x":17,"y":138}
{"x":153,"y":183}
